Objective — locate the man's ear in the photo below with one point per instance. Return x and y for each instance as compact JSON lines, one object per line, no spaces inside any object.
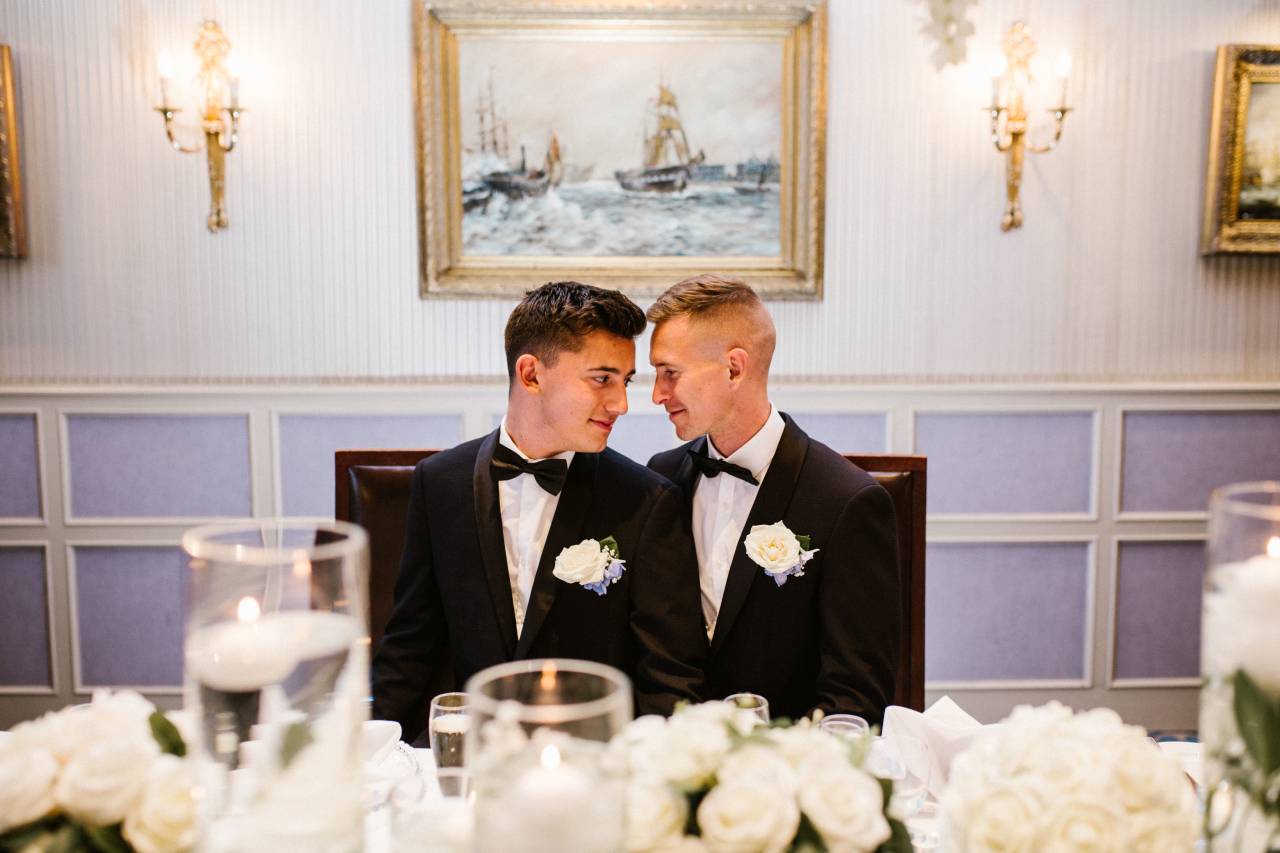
{"x":527,"y":369}
{"x":738,"y":359}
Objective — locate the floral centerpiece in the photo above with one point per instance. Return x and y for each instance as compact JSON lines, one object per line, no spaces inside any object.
{"x":714,"y":778}
{"x":107,"y":776}
{"x":1050,"y":780}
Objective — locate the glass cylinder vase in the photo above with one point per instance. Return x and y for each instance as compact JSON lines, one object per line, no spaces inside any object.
{"x":546,"y":772}
{"x":1240,"y":660}
{"x":277,"y":677}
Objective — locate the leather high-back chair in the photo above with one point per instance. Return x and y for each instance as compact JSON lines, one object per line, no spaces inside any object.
{"x":372,"y":490}
{"x":905,"y":478}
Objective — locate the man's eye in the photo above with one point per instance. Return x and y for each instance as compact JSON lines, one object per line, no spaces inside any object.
{"x":603,"y":380}
{"x":627,"y":382}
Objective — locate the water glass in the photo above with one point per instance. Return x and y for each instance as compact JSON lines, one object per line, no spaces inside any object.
{"x":847,"y":726}
{"x":447,"y":726}
{"x":753,"y":702}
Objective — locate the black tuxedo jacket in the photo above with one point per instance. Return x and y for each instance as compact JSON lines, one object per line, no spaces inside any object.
{"x":831,"y":638}
{"x":453,"y":595}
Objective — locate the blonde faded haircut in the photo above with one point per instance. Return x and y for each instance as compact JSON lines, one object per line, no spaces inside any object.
{"x":728,"y":303}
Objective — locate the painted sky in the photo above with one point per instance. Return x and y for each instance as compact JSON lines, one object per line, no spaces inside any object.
{"x":1263,"y":129}
{"x":594,"y":96}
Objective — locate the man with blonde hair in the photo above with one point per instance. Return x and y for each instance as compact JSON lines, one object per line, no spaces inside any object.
{"x":796,"y":546}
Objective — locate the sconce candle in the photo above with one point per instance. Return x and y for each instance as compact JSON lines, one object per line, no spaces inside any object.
{"x":220,"y":123}
{"x":1063,"y":70}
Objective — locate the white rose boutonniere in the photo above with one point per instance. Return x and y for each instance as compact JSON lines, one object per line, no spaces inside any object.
{"x":591,"y":564}
{"x":781,"y":553}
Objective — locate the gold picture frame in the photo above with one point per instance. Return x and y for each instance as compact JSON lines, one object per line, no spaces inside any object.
{"x":13,"y":228}
{"x":796,"y":32}
{"x":1242,"y":185}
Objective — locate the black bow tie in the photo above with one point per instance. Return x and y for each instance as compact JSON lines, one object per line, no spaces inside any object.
{"x":715,"y":467}
{"x":550,"y":473}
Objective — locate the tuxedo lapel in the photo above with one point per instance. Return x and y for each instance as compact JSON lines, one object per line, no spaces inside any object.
{"x":492,"y":550}
{"x":686,"y":474}
{"x":566,"y":529}
{"x":770,"y":506}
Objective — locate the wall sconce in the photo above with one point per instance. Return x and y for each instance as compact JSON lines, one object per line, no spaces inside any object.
{"x":221,"y":85}
{"x":1008,"y":110}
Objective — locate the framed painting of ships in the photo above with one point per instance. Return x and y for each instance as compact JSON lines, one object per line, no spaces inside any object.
{"x":626,"y":144}
{"x":1242,"y":186}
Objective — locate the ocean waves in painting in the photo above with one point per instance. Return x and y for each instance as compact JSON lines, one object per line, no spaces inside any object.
{"x":598,"y":218}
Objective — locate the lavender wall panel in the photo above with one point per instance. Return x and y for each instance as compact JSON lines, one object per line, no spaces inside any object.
{"x":1174,"y":459}
{"x":20,"y":483}
{"x":129,"y":613}
{"x":845,"y":432}
{"x":159,"y":466}
{"x":307,"y":444}
{"x":999,"y":611}
{"x":24,"y":618}
{"x":1159,"y":592}
{"x":1007,"y":462}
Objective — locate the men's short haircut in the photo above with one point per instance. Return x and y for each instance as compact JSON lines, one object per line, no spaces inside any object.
{"x":703,"y":295}
{"x":557,"y":316}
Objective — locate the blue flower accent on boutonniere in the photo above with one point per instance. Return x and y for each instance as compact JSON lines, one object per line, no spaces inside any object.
{"x":591,"y":564}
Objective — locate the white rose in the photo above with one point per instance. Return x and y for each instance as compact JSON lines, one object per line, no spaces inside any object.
{"x":747,"y":817}
{"x":1163,"y":833}
{"x":801,"y":745}
{"x":1081,"y":825}
{"x":101,"y":784}
{"x":689,"y":751}
{"x":846,"y":806}
{"x":759,"y":764}
{"x":683,"y":844}
{"x":1144,"y":776}
{"x":773,"y":547}
{"x":27,"y":774}
{"x":656,"y":814}
{"x":1001,"y":820}
{"x":163,"y":819}
{"x":582,"y":563}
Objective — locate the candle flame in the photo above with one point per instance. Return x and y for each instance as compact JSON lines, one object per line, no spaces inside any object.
{"x":548,"y":681}
{"x":1273,"y":547}
{"x":234,"y":67}
{"x":301,"y":564}
{"x":164,"y":62}
{"x":550,"y":756}
{"x":248,"y":610}
{"x":1062,"y":67}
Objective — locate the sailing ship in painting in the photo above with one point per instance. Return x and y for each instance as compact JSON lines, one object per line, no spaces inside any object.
{"x":495,"y":174}
{"x":667,"y":157}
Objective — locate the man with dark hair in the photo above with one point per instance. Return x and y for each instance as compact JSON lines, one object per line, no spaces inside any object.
{"x":797,"y":553}
{"x":538,"y":541}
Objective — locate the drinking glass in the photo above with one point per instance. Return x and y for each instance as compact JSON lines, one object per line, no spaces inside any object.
{"x":848,"y":726}
{"x":753,"y":702}
{"x":276,"y":672}
{"x":447,"y":729}
{"x":546,"y":771}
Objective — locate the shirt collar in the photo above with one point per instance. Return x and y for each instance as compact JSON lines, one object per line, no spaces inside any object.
{"x":504,"y":438}
{"x":758,"y":452}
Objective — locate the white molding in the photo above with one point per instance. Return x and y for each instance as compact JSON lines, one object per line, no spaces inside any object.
{"x":1111,"y":680}
{"x":42,"y":480}
{"x":1117,"y":482}
{"x":69,"y":519}
{"x":1095,"y":451}
{"x":77,"y":684}
{"x":50,"y":689}
{"x":1090,"y":620}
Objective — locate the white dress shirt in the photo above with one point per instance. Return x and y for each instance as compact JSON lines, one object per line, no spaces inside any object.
{"x":721,"y":505}
{"x":527,"y":510}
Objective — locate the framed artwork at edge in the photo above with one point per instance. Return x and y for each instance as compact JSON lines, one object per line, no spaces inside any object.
{"x":1242,"y":187}
{"x":623,"y":144}
{"x":13,"y":230}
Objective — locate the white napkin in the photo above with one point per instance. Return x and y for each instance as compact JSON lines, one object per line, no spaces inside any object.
{"x":944,"y":728}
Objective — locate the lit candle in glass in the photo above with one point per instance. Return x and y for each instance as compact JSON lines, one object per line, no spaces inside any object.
{"x":164,"y":63}
{"x":998,"y":68}
{"x":233,"y":82}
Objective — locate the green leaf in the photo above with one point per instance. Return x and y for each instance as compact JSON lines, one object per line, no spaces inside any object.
{"x":296,"y":738}
{"x":804,"y":539}
{"x":695,"y":799}
{"x":166,"y":734}
{"x":808,"y":839}
{"x":899,"y":841}
{"x":108,"y":839}
{"x":1258,"y":718}
{"x":611,"y":545}
{"x":30,"y":834}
